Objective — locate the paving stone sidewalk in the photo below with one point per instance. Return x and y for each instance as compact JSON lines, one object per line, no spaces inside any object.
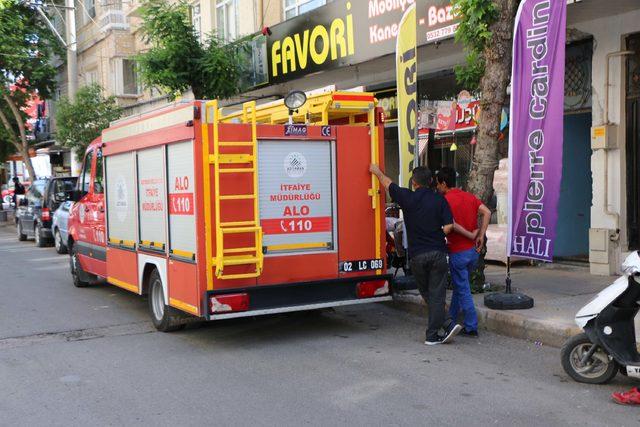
{"x":559,"y":292}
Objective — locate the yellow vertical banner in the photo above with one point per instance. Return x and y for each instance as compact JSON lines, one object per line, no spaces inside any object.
{"x":407,"y":81}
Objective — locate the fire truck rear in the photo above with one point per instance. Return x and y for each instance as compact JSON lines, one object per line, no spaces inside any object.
{"x":218,"y":216}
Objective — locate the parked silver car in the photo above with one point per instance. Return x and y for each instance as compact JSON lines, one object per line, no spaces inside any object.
{"x":59,"y":227}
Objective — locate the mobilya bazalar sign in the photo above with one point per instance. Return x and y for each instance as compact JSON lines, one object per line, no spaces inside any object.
{"x":348,"y":32}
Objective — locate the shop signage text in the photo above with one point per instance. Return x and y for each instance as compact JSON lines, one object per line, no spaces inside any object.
{"x":349,"y":32}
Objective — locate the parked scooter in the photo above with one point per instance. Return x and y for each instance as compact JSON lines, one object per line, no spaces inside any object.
{"x":608,"y":344}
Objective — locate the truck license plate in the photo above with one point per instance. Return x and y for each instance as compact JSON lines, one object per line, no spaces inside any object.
{"x":362,"y":265}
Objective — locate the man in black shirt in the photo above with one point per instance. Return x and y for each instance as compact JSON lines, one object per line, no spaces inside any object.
{"x":18,"y":190}
{"x":428,"y":219}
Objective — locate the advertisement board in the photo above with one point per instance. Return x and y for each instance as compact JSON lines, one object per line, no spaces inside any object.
{"x":297,"y":209}
{"x":407,"y":78}
{"x":536,"y":136}
{"x":348,"y":32}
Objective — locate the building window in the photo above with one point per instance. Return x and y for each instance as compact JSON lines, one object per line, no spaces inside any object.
{"x":126,"y":77}
{"x":196,"y":20}
{"x":89,"y":11}
{"x":91,"y":77}
{"x":226,"y":19}
{"x":293,"y":8}
{"x":129,"y":77}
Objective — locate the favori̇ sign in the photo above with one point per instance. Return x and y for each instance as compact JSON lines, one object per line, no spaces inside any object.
{"x":535,"y":143}
{"x":348,"y":32}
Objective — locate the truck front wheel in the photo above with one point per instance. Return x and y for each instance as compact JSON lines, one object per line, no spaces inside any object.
{"x":164,"y":317}
{"x":77,"y":273}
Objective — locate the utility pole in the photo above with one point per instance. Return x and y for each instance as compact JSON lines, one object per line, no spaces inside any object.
{"x":70,"y":44}
{"x":72,"y":68}
{"x":72,"y":58}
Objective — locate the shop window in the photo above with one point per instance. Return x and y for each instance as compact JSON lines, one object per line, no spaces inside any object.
{"x":227,"y":19}
{"x":293,"y":8}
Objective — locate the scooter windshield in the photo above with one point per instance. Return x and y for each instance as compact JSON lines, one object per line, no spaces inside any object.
{"x":631,"y":265}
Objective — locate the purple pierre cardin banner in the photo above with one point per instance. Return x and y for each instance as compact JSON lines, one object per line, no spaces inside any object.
{"x":535,"y":142}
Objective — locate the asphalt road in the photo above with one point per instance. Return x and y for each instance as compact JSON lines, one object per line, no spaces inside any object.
{"x":91,"y":357}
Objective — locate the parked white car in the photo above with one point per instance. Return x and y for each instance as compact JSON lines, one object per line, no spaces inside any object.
{"x":59,"y":227}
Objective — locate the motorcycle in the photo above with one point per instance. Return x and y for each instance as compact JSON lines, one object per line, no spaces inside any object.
{"x":608,"y":344}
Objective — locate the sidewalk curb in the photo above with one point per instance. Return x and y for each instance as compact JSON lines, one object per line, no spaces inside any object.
{"x":508,"y":323}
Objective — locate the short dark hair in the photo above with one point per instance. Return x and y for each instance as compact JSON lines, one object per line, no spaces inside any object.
{"x":446,"y":175}
{"x":421,"y":176}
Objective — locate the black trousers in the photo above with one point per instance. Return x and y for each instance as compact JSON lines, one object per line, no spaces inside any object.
{"x":430,"y":270}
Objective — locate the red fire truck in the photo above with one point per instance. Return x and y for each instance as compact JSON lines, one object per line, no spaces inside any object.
{"x":265,"y":210}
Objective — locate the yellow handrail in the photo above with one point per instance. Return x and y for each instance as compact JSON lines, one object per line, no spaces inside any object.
{"x":210,"y":107}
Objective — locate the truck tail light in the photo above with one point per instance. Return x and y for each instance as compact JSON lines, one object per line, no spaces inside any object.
{"x":372,"y":288}
{"x":228,"y":303}
{"x":46,"y":214}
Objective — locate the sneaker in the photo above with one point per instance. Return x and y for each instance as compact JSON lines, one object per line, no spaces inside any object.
{"x":631,"y":397}
{"x":455,"y":329}
{"x":466,"y":333}
{"x":434,"y":341}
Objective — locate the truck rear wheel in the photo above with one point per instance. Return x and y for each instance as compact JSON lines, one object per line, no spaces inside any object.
{"x":164,"y":317}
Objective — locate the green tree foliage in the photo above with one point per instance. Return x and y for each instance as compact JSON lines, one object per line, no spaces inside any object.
{"x":486,"y":30}
{"x":80,"y":122}
{"x":474,"y":32}
{"x":177,"y":61}
{"x":26,"y":48}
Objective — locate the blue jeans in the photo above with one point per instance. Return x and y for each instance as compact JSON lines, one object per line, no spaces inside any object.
{"x":461,"y":265}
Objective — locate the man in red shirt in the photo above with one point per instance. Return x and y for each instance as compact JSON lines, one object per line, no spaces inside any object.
{"x":463,"y":244}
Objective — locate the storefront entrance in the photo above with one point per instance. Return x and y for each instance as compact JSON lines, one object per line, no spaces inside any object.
{"x":633,"y":141}
{"x":574,"y":207}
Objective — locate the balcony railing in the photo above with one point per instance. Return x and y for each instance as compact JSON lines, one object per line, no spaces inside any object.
{"x":113,"y":20}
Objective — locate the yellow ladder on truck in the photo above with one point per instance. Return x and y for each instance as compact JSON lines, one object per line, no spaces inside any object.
{"x":240,"y":163}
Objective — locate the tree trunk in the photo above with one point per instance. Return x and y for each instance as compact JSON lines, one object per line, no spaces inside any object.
{"x":24,"y":144}
{"x":493,"y":87}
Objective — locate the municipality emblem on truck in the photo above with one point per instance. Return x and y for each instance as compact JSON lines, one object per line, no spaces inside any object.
{"x":295,"y":164}
{"x":121,"y":199}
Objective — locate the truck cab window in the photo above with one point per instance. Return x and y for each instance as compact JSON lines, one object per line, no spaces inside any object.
{"x":98,"y":188}
{"x":85,"y":179}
